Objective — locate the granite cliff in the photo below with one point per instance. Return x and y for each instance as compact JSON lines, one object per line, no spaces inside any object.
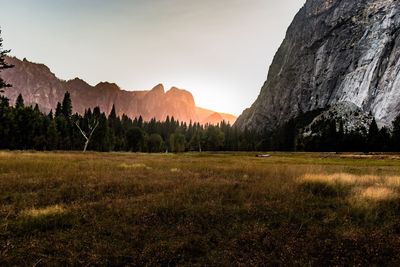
{"x":336,"y":52}
{"x":38,"y":84}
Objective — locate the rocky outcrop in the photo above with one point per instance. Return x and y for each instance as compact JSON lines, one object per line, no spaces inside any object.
{"x":38,"y":84}
{"x":334,"y":51}
{"x":352,"y":117}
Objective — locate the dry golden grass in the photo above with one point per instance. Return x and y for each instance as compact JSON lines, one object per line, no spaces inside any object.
{"x":352,"y":179}
{"x":364,"y":187}
{"x":46,"y":211}
{"x":133,"y":166}
{"x":198,"y":209}
{"x":378,"y":193}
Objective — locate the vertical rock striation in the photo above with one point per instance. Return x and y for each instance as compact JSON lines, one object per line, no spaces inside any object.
{"x":335,"y":51}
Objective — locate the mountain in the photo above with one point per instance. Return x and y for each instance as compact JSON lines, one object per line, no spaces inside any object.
{"x":334,"y":52}
{"x":38,"y":84}
{"x":208,"y":116}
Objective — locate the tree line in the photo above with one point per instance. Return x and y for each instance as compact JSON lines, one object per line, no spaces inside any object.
{"x":330,"y":135}
{"x":25,"y":127}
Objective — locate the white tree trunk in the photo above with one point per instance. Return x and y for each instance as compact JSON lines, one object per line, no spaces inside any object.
{"x":88,"y":136}
{"x":86,"y":145}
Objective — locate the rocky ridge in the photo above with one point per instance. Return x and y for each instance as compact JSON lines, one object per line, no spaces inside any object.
{"x":38,"y":84}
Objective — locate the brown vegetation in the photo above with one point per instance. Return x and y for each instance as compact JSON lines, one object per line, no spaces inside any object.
{"x":198,"y":209}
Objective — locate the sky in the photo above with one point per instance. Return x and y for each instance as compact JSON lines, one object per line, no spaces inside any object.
{"x":219,"y":50}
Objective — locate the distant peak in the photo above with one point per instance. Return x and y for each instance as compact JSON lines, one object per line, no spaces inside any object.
{"x":158,"y":88}
{"x":173,"y":88}
{"x":107,"y":85}
{"x":78,"y":82}
{"x":76,"y":79}
{"x":176,"y":91}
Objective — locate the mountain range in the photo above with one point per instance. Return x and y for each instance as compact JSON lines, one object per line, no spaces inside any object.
{"x":38,"y":85}
{"x":340,"y":55}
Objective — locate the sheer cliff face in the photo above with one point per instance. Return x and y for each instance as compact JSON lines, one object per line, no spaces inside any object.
{"x":335,"y":51}
{"x":38,"y":85}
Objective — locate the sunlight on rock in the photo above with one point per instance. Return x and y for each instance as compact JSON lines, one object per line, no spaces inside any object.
{"x":47,"y":211}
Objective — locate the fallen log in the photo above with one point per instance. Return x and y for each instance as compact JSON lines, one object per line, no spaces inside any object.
{"x":263,"y":156}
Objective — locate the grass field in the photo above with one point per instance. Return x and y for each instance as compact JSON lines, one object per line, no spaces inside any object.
{"x":199,"y":209}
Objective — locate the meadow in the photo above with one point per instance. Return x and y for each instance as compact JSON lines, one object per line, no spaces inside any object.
{"x":119,"y":209}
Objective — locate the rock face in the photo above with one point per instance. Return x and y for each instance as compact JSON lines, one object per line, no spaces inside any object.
{"x":353,"y":118}
{"x":334,"y":51}
{"x":38,"y":84}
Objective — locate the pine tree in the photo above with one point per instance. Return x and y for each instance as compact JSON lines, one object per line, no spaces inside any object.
{"x":19,"y":103}
{"x":177,"y":142}
{"x":50,"y":115}
{"x":100,"y":139}
{"x":373,"y":137}
{"x":196,"y":142}
{"x":155,"y":143}
{"x":135,"y":139}
{"x":3,"y":65}
{"x":58,"y":110}
{"x":396,"y":134}
{"x":140,"y":122}
{"x":214,"y":138}
{"x":52,"y":136}
{"x":112,"y":125}
{"x":384,"y":140}
{"x":66,"y":107}
{"x":113,"y":114}
{"x":6,"y":122}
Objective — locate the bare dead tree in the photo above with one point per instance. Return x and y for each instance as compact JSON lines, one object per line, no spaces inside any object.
{"x":88,"y":135}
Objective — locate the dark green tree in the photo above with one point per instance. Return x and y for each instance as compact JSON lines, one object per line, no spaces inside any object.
{"x":6,"y":123}
{"x":155,"y":143}
{"x":214,"y":138}
{"x":373,"y":137}
{"x":58,"y":110}
{"x":100,"y":138}
{"x":19,"y":103}
{"x":396,"y":134}
{"x":196,"y":142}
{"x":52,"y":136}
{"x":3,"y":65}
{"x":112,"y":124}
{"x":177,"y":143}
{"x":135,"y":139}
{"x":384,"y":139}
{"x":66,"y":106}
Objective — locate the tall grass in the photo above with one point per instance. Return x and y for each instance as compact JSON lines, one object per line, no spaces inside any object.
{"x":198,"y":209}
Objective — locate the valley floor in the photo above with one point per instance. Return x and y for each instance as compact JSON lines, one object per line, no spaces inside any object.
{"x":199,"y":209}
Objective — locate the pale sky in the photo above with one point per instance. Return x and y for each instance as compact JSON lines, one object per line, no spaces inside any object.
{"x":219,"y":50}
